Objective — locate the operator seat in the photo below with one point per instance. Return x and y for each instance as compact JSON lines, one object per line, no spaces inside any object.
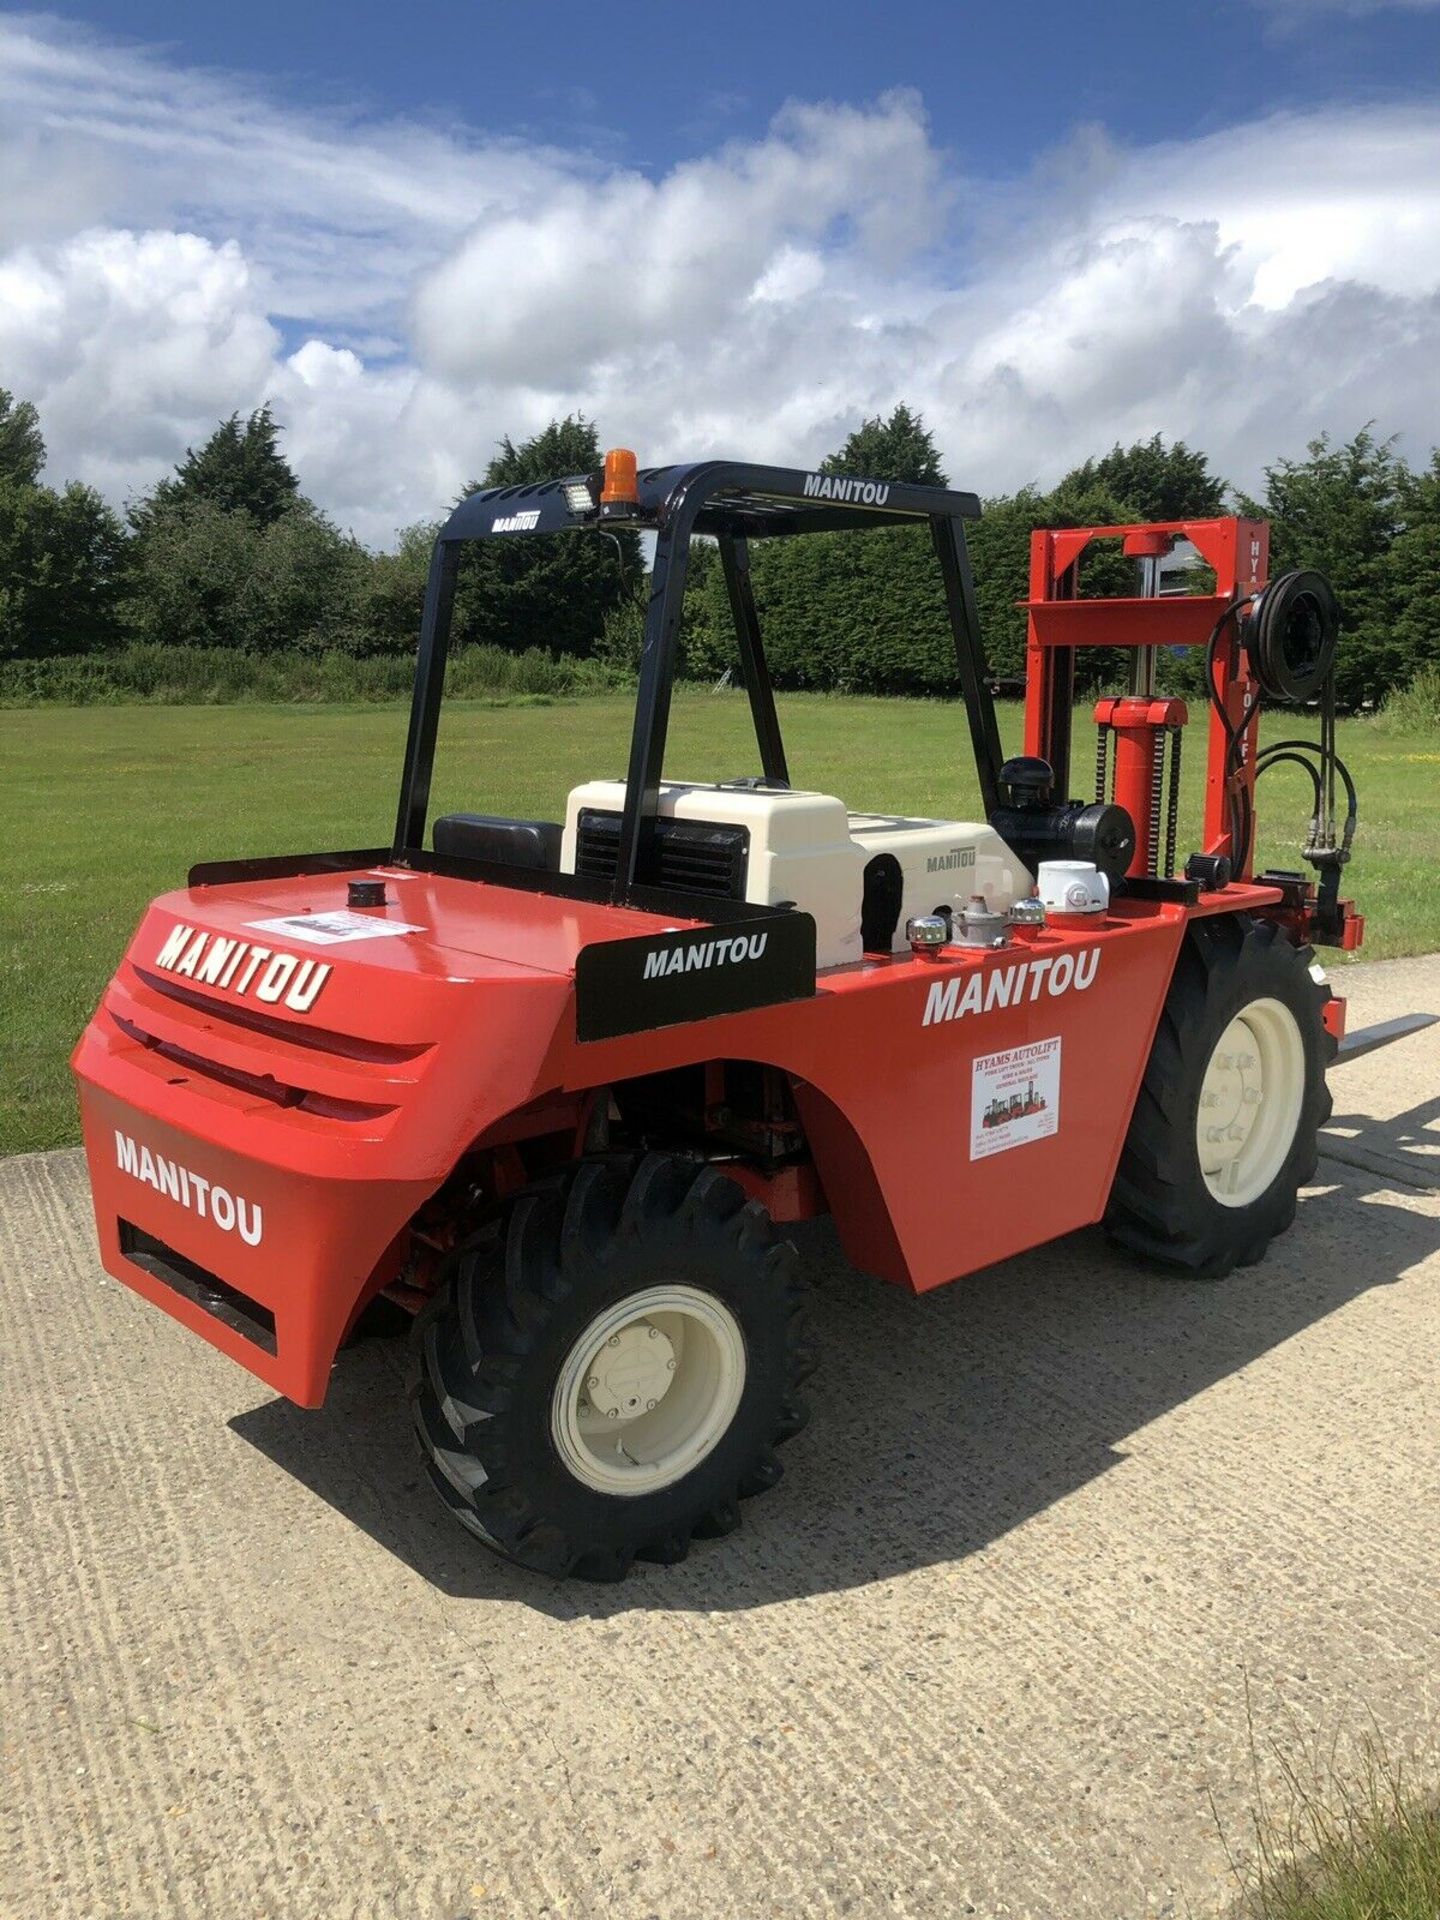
{"x":489,"y":836}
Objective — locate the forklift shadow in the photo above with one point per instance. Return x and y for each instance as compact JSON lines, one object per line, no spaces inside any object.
{"x":1406,"y":1148}
{"x":938,"y":1425}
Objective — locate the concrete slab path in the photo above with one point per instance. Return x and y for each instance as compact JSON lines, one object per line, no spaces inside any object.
{"x":1066,"y":1547}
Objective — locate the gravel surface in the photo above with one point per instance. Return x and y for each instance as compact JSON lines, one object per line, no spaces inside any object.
{"x":1065,"y":1548}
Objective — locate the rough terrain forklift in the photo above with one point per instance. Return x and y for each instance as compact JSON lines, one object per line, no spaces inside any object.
{"x":556,"y":1087}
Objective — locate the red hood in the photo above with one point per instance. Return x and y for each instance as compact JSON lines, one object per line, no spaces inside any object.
{"x":321,"y":1026}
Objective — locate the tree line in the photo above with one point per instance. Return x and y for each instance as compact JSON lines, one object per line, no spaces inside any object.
{"x":228,"y":553}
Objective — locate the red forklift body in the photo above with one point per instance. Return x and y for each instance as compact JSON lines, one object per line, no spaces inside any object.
{"x":255,"y":1167}
{"x":298,"y":1055}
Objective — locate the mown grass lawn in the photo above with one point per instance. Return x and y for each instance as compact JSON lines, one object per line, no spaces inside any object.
{"x":107,"y":806}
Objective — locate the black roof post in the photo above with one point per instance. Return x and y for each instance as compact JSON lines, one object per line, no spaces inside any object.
{"x":948,"y":534}
{"x":425,"y":701}
{"x":652,"y":702}
{"x":735,"y":561}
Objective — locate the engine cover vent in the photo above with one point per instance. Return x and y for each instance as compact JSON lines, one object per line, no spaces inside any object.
{"x":692,"y":856}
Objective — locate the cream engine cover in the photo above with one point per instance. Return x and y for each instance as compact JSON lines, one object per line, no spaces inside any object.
{"x":805,"y":847}
{"x":944,"y":862}
{"x":800,"y":849}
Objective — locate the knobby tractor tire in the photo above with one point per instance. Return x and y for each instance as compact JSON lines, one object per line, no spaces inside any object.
{"x":1230,"y":969}
{"x":494,"y":1351}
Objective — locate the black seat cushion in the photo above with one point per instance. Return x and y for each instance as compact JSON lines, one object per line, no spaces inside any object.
{"x":883,"y":898}
{"x":488,"y":836}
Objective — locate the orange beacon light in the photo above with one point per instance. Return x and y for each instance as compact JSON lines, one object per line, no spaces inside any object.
{"x":621,"y":487}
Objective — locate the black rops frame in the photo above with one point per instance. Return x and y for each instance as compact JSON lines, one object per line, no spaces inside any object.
{"x":735,"y":503}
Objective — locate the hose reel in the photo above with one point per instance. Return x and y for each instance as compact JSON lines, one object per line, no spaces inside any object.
{"x":1292,"y":635}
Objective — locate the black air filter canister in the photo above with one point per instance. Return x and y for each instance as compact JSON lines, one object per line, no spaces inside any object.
{"x":1039,"y":828}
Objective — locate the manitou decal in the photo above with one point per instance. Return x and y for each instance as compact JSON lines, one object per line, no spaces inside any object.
{"x":829,"y":486}
{"x":240,"y":966}
{"x":1053,"y":974}
{"x":948,"y":862}
{"x":516,"y":522}
{"x":692,"y":973}
{"x":709,"y":953}
{"x":203,"y":1197}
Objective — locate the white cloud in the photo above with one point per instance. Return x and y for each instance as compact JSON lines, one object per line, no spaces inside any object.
{"x":176,"y":246}
{"x":607,"y":269}
{"x":1294,"y":13}
{"x":1350,"y":193}
{"x":126,"y":340}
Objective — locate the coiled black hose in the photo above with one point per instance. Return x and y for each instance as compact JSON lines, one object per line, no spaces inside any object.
{"x":1291,"y":639}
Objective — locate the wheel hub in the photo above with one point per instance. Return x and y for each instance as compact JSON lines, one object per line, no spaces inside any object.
{"x":1250,"y":1102}
{"x":631,"y":1373}
{"x":648,"y":1390}
{"x":1233,"y":1094}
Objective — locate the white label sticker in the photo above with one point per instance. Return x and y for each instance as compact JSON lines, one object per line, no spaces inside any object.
{"x":332,"y":929}
{"x":1014,"y":1098}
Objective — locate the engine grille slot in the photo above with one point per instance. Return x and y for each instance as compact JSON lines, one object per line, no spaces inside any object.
{"x":279,"y":1093}
{"x":344,"y":1046}
{"x":197,"y":1284}
{"x":691,"y":856}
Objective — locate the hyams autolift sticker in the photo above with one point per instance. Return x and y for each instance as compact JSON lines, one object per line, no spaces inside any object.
{"x":332,"y":929}
{"x":1014,"y":1097}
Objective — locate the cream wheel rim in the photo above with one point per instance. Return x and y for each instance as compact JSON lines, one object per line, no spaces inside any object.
{"x":1250,"y":1102}
{"x":648,"y":1390}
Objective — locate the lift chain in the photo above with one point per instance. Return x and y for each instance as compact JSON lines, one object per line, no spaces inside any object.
{"x":1102,"y":756}
{"x":1172,"y":809}
{"x":1157,"y":794}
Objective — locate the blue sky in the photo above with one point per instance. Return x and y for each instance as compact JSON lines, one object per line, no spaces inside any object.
{"x":653,"y":85}
{"x":732,"y":229}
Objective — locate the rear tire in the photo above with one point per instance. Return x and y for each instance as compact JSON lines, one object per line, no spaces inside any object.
{"x":1224,"y":1130}
{"x":612,"y":1376}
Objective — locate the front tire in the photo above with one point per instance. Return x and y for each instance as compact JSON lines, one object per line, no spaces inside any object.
{"x":1225,"y":1127}
{"x":613,"y":1375}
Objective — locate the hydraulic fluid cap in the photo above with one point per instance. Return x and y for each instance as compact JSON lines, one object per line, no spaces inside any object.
{"x":979,"y":925}
{"x":1072,"y":887}
{"x":927,"y":933}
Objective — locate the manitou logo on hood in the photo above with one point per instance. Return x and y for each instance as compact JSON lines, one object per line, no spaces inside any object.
{"x":240,"y":966}
{"x":1010,"y":986}
{"x":516,"y":522}
{"x":861,"y":493}
{"x":706,"y":953}
{"x":203,"y":1197}
{"x":948,"y":862}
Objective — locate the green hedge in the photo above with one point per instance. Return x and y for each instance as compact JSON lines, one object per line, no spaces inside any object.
{"x":193,"y":676}
{"x":864,"y":612}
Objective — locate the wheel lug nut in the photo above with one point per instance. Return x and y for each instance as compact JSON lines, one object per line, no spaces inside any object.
{"x":670,"y":1366}
{"x":1214,"y":1133}
{"x":649,"y":1406}
{"x":593,"y":1381}
{"x":613,"y":1413}
{"x":614,"y":1340}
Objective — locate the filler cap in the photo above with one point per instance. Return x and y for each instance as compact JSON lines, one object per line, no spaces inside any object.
{"x":927,"y":934}
{"x":1027,"y":780}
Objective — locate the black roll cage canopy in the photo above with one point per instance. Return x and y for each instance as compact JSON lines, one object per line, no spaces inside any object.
{"x":734,"y":503}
